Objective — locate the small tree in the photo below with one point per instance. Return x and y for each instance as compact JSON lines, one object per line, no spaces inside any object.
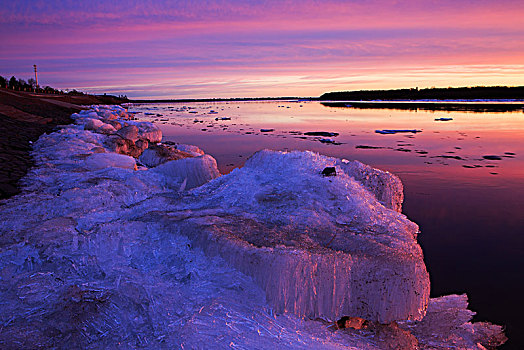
{"x":32,"y":83}
{"x":13,"y":83}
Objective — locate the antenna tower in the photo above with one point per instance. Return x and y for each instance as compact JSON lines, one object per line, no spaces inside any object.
{"x":36,"y":76}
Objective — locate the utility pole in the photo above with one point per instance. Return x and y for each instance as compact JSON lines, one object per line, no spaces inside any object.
{"x":36,"y":76}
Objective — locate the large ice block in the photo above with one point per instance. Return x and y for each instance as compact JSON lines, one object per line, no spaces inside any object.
{"x":187,"y":173}
{"x":320,"y":246}
{"x":160,"y":154}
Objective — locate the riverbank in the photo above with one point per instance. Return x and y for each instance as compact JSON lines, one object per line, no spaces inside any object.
{"x":23,"y":118}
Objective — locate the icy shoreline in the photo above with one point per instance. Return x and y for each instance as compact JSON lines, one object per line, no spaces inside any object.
{"x":92,"y":256}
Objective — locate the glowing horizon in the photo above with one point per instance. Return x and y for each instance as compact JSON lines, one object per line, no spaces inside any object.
{"x":175,"y":49}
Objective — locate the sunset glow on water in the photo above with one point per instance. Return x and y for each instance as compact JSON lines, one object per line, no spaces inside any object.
{"x":467,"y":137}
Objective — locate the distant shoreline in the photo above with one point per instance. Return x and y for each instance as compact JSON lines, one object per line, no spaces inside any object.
{"x":416,"y":94}
{"x":239,"y":99}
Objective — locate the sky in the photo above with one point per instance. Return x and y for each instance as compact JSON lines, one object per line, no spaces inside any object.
{"x":234,"y":48}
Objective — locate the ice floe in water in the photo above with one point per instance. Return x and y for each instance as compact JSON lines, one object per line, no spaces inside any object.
{"x":95,"y":254}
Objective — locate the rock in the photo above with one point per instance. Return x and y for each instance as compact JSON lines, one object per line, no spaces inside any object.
{"x":99,"y":161}
{"x":159,"y":154}
{"x":188,"y":173}
{"x":129,"y":132}
{"x":352,"y":322}
{"x":329,"y":171}
{"x":318,"y":247}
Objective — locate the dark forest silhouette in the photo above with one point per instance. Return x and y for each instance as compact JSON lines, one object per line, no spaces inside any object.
{"x":30,"y":86}
{"x":460,"y":93}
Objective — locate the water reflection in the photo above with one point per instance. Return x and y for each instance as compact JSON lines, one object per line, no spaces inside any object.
{"x":463,"y":176}
{"x":448,"y":106}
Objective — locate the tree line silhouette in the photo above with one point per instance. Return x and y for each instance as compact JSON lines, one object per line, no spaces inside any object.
{"x":30,"y":86}
{"x":460,"y":93}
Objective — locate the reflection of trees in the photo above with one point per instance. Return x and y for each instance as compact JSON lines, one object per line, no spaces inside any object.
{"x":431,"y":106}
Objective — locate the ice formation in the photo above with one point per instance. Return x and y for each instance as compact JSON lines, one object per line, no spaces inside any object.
{"x":98,"y":161}
{"x":193,"y":150}
{"x":319,"y":246}
{"x":193,"y":172}
{"x":95,"y":254}
{"x":396,"y":131}
{"x":160,"y":154}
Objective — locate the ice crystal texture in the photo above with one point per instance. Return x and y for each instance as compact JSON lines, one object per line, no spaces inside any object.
{"x":320,"y":246}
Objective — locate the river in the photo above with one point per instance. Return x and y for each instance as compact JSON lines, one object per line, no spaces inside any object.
{"x":463,"y":176}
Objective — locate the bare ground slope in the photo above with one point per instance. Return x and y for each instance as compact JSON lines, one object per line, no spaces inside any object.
{"x":23,"y":118}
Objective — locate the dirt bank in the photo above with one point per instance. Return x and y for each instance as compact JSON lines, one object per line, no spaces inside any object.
{"x":23,"y":118}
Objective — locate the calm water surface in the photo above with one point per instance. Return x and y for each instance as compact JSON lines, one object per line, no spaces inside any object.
{"x":470,"y":209}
